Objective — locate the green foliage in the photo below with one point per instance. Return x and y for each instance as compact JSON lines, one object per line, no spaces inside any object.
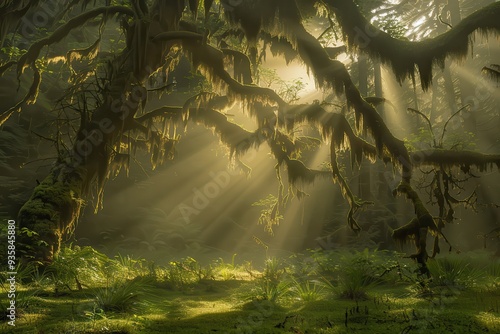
{"x":12,"y":52}
{"x":183,"y":274}
{"x":358,"y":274}
{"x":225,"y":270}
{"x":79,"y":266}
{"x":131,"y":267}
{"x":352,"y":275}
{"x":123,"y":296}
{"x":303,"y":266}
{"x":270,"y":290}
{"x":29,"y":284}
{"x":454,"y":272}
{"x":493,"y":273}
{"x":422,"y":139}
{"x":274,"y":269}
{"x":288,"y":90}
{"x":289,"y":295}
{"x":272,"y":284}
{"x":307,"y":291}
{"x":269,"y":215}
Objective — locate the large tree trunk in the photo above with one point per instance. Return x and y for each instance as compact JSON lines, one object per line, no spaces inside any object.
{"x":55,"y":205}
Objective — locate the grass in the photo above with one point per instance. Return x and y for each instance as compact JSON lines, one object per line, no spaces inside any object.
{"x":122,"y":296}
{"x":454,"y":272}
{"x":274,"y":299}
{"x":308,"y":291}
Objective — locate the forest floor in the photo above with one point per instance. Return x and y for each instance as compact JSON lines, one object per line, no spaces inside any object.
{"x":318,"y":292}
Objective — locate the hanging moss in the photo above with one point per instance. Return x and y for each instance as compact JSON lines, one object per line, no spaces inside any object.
{"x":241,"y":66}
{"x":280,"y":46}
{"x":29,"y":98}
{"x":493,"y":71}
{"x":193,"y":7}
{"x":332,"y":73}
{"x":354,"y":202}
{"x":298,"y":173}
{"x":119,"y":161}
{"x":404,"y":56}
{"x":414,"y":230}
{"x":168,"y":13}
{"x":283,"y":148}
{"x":34,"y":51}
{"x":448,"y":159}
{"x":29,"y":58}
{"x":237,"y":139}
{"x":210,"y":61}
{"x":174,"y":114}
{"x":196,"y":101}
{"x":88,"y":53}
{"x":333,"y":126}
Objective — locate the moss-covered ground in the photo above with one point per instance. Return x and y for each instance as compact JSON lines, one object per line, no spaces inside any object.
{"x":317,"y":292}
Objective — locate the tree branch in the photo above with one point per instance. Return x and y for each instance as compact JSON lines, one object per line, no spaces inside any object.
{"x":450,"y":158}
{"x":405,"y":56}
{"x":61,"y":32}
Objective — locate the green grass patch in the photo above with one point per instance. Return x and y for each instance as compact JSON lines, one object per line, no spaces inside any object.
{"x":330,"y":292}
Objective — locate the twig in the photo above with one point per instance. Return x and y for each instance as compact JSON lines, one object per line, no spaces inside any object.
{"x":428,"y":122}
{"x":449,"y":119}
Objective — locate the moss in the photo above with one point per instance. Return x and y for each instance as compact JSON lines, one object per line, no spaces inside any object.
{"x":299,"y":173}
{"x":233,"y":306}
{"x":448,"y":158}
{"x":406,"y":57}
{"x":493,"y":71}
{"x":404,"y":233}
{"x":241,"y":66}
{"x":52,"y":210}
{"x":237,"y":139}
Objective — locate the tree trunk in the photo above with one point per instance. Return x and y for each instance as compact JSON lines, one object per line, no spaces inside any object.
{"x":364,"y":179}
{"x":55,"y":205}
{"x":383,"y":189}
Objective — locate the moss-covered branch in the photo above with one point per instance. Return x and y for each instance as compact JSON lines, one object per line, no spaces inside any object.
{"x":405,"y":56}
{"x":448,"y":158}
{"x":63,"y":31}
{"x":417,"y":228}
{"x":29,"y":58}
{"x":333,"y":73}
{"x":211,"y":62}
{"x":29,"y":98}
{"x":232,"y":135}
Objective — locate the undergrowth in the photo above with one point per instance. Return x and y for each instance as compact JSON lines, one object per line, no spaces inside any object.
{"x":107,"y":287}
